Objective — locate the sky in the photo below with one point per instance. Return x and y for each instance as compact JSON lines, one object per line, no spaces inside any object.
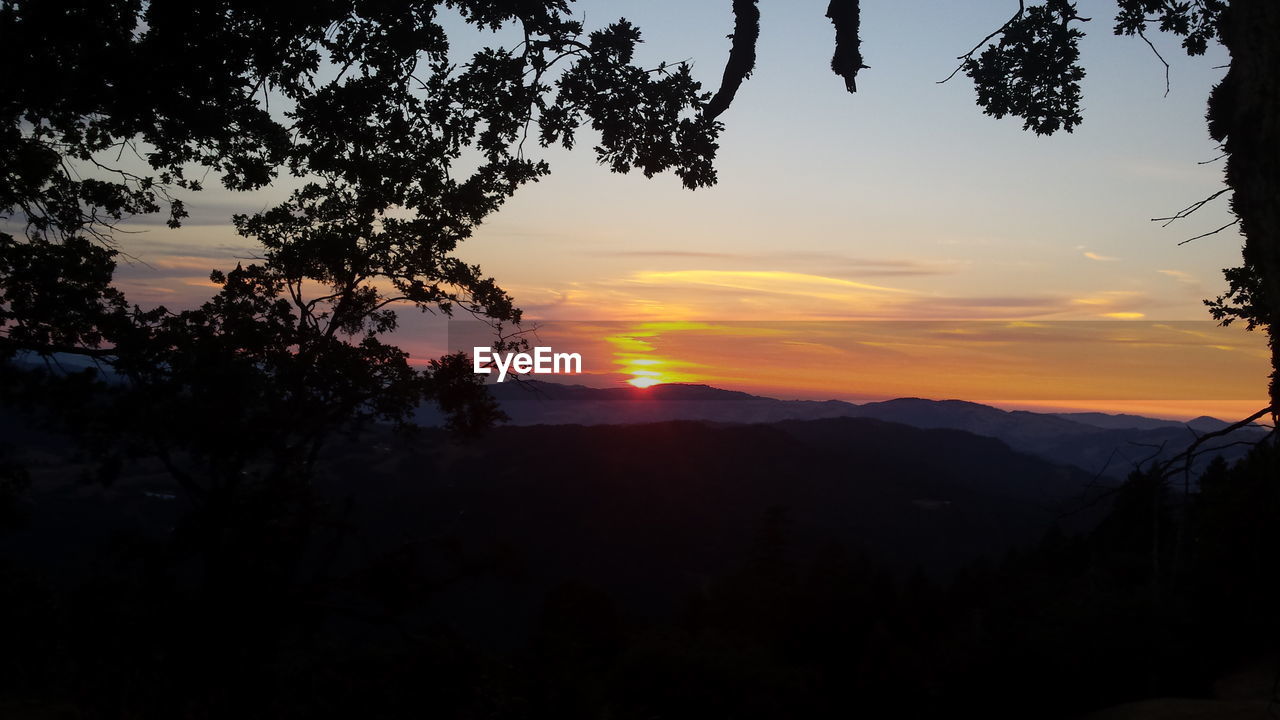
{"x":840,"y":219}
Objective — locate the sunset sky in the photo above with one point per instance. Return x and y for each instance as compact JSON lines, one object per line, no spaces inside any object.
{"x":899,"y":203}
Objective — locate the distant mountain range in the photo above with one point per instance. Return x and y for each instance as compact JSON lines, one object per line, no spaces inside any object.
{"x":646,"y":494}
{"x":1102,"y":444}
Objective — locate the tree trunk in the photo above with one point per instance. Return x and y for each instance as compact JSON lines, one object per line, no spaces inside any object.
{"x":1244,"y":113}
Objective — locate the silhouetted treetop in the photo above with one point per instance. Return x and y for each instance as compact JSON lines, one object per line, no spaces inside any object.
{"x":399,"y":149}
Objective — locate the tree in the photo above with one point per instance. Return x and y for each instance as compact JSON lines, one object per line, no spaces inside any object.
{"x":1244,"y":115}
{"x":401,"y":151}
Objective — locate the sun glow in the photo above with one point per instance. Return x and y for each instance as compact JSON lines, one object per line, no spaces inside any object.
{"x":1102,"y":364}
{"x":635,"y":354}
{"x":643,"y":373}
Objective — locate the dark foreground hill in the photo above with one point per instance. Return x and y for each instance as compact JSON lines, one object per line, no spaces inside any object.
{"x":646,"y":512}
{"x":649,"y":510}
{"x":792,"y":569}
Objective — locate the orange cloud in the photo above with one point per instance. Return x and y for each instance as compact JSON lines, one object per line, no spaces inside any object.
{"x":1100,"y":258}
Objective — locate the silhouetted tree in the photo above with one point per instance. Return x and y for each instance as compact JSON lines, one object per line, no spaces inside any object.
{"x":13,"y":481}
{"x":401,"y":152}
{"x":1236,"y":545}
{"x":398,"y":152}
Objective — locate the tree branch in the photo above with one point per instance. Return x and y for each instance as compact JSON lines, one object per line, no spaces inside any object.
{"x":1159,"y":57}
{"x":742,"y":56}
{"x":1190,"y":208}
{"x":1189,"y":454}
{"x":1022,"y":8}
{"x":1211,"y":232}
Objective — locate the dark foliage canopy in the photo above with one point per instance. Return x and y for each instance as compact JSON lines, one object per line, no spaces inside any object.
{"x":115,"y":109}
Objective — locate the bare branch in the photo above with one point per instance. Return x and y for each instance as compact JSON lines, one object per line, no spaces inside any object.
{"x":1189,"y":454}
{"x":1213,"y":160}
{"x":1211,"y":232}
{"x":1159,"y":57}
{"x":1022,"y":8}
{"x":1188,"y":210}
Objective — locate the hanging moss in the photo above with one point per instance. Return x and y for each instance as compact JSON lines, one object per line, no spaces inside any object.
{"x":847,"y":60}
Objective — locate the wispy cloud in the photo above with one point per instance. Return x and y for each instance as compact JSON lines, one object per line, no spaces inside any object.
{"x":678,"y":254}
{"x":767,"y":281}
{"x":1180,"y":276}
{"x":1100,"y":258}
{"x":783,"y":295}
{"x":1115,"y":304}
{"x":829,"y":264}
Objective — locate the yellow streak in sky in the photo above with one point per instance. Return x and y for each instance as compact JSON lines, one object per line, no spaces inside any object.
{"x":766,"y":281}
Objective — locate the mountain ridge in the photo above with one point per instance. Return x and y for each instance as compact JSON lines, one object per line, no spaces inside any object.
{"x":1101,"y":444}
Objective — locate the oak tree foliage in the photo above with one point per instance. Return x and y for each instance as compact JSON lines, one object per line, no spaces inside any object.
{"x":119,"y":109}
